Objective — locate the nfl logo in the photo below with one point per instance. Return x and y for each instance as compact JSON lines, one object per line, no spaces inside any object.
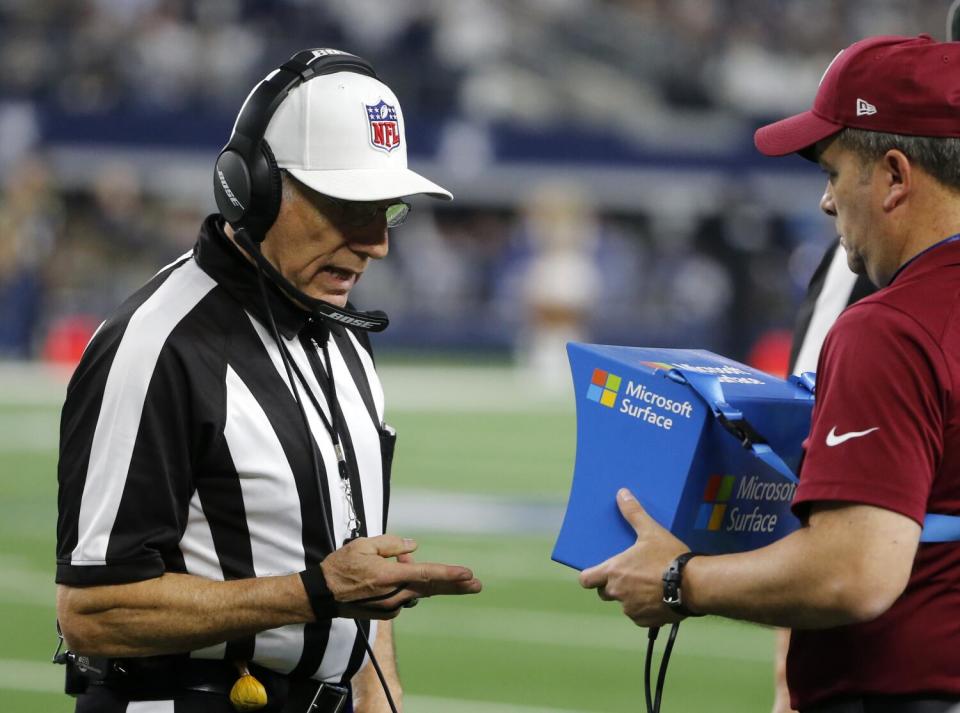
{"x":384,"y":127}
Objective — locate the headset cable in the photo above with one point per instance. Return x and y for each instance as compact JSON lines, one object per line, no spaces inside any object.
{"x":653,"y":701}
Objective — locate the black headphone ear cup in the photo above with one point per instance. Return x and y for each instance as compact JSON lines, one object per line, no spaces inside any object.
{"x":266,"y":190}
{"x":231,"y":187}
{"x":276,"y":182}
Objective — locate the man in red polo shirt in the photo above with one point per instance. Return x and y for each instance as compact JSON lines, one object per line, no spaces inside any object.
{"x":875,"y":612}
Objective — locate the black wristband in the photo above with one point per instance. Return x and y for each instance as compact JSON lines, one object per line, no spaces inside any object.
{"x":321,"y":598}
{"x":672,"y":585}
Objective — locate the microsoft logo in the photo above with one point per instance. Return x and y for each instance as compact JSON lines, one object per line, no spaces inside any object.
{"x":604,"y":387}
{"x":658,"y":365}
{"x":718,"y":491}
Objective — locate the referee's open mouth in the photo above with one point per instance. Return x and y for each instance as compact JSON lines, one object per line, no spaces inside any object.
{"x":335,"y":280}
{"x":342,"y":273}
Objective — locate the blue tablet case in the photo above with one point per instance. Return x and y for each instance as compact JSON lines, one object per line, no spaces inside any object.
{"x":708,"y":445}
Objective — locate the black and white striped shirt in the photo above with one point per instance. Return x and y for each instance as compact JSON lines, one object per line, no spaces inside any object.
{"x":183,"y":450}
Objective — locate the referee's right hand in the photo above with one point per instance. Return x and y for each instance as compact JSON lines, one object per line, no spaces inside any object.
{"x":374,"y":577}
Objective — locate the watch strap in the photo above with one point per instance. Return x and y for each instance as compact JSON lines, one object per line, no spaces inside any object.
{"x":321,"y":598}
{"x":673,"y":584}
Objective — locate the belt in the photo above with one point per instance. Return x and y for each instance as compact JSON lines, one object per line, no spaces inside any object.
{"x":888,"y":704}
{"x":284,"y":693}
{"x":163,"y":678}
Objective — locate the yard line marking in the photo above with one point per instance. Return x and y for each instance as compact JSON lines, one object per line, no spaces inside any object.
{"x":409,"y":388}
{"x":33,"y":383}
{"x":580,"y":631}
{"x":432,"y":511}
{"x":26,"y":584}
{"x":432,"y":704}
{"x":33,"y":676}
{"x":469,"y":390}
{"x":42,"y":677}
{"x":29,"y":430}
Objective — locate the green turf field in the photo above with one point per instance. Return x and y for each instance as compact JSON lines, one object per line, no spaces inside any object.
{"x":533,"y":641}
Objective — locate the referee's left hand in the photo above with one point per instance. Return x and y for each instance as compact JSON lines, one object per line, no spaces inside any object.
{"x":635,"y":576}
{"x":373,"y":577}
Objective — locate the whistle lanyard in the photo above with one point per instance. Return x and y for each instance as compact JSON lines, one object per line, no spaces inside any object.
{"x":332,"y":425}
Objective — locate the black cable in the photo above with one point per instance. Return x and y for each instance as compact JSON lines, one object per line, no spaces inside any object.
{"x":333,"y":428}
{"x":651,"y":639}
{"x":376,"y":667}
{"x":662,"y":675}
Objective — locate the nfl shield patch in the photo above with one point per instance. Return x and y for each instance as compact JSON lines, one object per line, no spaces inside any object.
{"x":384,"y":127}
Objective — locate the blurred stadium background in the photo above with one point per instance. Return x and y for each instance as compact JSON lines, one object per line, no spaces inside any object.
{"x":606,"y":189}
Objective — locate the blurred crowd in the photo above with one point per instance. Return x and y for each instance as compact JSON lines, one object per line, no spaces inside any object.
{"x":536,"y":60}
{"x":524,"y":273}
{"x":527,"y":276}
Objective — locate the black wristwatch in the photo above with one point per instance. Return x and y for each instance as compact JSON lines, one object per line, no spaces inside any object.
{"x":672,"y":584}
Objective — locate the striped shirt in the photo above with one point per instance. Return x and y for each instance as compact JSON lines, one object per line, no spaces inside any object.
{"x":182,"y":448}
{"x":833,"y":288}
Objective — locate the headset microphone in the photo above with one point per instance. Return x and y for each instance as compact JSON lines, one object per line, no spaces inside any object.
{"x":374,"y":321}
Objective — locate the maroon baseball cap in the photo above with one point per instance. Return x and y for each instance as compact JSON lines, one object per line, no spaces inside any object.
{"x":899,"y":85}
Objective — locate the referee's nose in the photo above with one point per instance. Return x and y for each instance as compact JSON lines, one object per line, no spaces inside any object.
{"x":371,"y":241}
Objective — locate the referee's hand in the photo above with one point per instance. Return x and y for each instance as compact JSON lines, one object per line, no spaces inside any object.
{"x":374,"y":577}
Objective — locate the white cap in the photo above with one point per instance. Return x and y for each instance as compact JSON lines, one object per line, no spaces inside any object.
{"x":342,"y":135}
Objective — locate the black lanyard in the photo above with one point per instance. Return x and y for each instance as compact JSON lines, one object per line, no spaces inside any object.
{"x":333,"y":427}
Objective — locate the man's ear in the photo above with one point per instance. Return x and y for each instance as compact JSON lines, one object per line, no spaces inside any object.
{"x":898,"y":178}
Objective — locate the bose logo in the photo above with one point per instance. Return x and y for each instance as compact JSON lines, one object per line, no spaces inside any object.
{"x":226,"y":189}
{"x":351,"y":320}
{"x":317,"y":54}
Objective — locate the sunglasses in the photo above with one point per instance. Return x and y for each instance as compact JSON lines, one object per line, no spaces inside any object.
{"x":359,"y":214}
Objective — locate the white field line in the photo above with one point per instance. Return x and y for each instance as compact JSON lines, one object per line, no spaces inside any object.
{"x":33,"y":676}
{"x":408,"y":388}
{"x":702,"y":639}
{"x":40,"y":677}
{"x":495,"y":389}
{"x":430,"y":511}
{"x":430,"y":704}
{"x":30,"y":431}
{"x":25,"y":584}
{"x":32,"y":383}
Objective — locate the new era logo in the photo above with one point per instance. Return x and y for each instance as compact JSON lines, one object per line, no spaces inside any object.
{"x":604,"y":387}
{"x":865,"y":108}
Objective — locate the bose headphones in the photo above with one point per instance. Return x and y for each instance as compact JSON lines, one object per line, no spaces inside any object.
{"x":246,"y":179}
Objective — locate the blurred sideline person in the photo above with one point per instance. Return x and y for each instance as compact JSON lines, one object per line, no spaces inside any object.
{"x":562,"y":230}
{"x":224,"y":464}
{"x":875,"y":614}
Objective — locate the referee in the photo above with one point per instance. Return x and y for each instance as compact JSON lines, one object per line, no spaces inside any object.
{"x":224,"y":461}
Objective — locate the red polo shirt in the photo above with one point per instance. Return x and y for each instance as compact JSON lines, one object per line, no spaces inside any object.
{"x":886,"y":432}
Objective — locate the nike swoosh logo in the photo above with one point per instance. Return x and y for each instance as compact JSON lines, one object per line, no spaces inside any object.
{"x":834,"y":440}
